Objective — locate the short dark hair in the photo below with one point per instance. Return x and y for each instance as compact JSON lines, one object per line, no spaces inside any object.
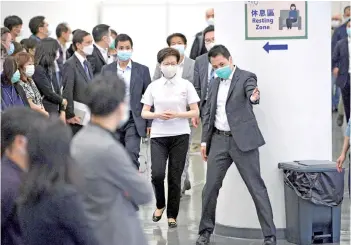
{"x":29,"y":43}
{"x":166,"y":52}
{"x":106,"y":92}
{"x":100,"y":31}
{"x":169,"y":38}
{"x":218,"y":50}
{"x":18,"y":121}
{"x":9,"y":68}
{"x":346,"y":8}
{"x":35,"y":23}
{"x":4,"y":30}
{"x":113,"y":32}
{"x":45,"y":53}
{"x":78,"y":37}
{"x":12,"y":21}
{"x":50,"y":162}
{"x":208,"y":29}
{"x":292,"y":5}
{"x":123,"y":38}
{"x":62,"y":27}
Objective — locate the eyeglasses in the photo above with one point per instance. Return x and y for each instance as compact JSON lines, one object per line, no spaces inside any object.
{"x":208,"y":41}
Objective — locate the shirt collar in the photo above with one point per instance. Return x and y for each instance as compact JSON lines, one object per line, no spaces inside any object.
{"x":129,"y":66}
{"x":102,"y":50}
{"x":168,"y":81}
{"x":182,"y":63}
{"x":80,"y":57}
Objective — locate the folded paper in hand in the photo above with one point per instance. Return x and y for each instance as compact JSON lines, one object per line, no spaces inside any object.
{"x":82,"y":111}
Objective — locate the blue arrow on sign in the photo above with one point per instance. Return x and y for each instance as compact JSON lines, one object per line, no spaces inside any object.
{"x":269,"y":47}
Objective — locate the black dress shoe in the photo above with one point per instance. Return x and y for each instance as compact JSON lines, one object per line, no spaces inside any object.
{"x":157,"y":218}
{"x":270,"y":240}
{"x":204,"y":239}
{"x":172,"y":224}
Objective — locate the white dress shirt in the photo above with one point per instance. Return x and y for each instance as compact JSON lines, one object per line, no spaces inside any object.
{"x":80,"y":58}
{"x":126,"y":74}
{"x":180,"y":69}
{"x":221,"y":121}
{"x":103,"y":51}
{"x":174,"y":95}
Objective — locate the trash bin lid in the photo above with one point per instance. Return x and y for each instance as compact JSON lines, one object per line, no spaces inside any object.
{"x":309,"y":166}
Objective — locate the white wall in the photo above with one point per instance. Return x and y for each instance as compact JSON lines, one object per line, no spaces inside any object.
{"x":77,"y":13}
{"x":294,"y":113}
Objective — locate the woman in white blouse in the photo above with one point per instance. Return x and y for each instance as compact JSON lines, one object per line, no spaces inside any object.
{"x":170,"y":95}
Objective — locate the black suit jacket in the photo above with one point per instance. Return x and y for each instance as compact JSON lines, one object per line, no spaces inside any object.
{"x":96,"y":60}
{"x":342,"y":61}
{"x":239,"y":111}
{"x":198,"y":47}
{"x":49,"y":88}
{"x":139,"y":81}
{"x":75,"y":82}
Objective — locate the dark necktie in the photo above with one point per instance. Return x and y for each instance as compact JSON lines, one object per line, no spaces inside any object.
{"x":86,"y":68}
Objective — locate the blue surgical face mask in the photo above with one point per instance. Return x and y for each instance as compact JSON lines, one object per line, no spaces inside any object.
{"x":11,"y":49}
{"x":16,"y":77}
{"x":180,"y":48}
{"x":224,"y":72}
{"x":125,"y":117}
{"x":124,"y":55}
{"x":348,"y":30}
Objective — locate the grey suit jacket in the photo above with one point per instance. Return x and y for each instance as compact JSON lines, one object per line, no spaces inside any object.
{"x":201,"y":78}
{"x":75,"y":83}
{"x":188,"y":70}
{"x":240,"y":115}
{"x":112,"y":188}
{"x":139,"y":81}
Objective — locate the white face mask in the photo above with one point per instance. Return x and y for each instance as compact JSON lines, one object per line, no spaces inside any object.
{"x":30,"y":70}
{"x":88,"y":50}
{"x":210,"y":21}
{"x":335,"y":23}
{"x":169,"y":71}
{"x":209,"y":46}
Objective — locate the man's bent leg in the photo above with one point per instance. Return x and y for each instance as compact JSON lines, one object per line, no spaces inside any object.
{"x":218,"y":163}
{"x":132,"y":143}
{"x":248,"y":164}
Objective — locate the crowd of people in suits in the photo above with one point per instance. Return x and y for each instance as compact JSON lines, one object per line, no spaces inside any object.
{"x":73,"y":117}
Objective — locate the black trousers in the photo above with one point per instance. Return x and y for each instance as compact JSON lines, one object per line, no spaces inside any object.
{"x":130,"y":139}
{"x":173,"y":148}
{"x":289,"y":22}
{"x":345,"y":94}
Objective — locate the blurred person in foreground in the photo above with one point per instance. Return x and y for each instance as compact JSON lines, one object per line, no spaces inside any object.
{"x":16,"y":124}
{"x":113,"y":189}
{"x":50,"y":210}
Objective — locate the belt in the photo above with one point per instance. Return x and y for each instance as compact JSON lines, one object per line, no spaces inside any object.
{"x":225,"y":133}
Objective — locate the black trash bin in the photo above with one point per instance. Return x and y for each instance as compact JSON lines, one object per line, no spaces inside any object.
{"x":313,"y":196}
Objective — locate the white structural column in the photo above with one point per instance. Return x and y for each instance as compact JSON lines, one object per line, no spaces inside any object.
{"x":294,"y":113}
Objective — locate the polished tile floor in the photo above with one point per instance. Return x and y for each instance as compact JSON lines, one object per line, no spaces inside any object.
{"x":190,"y":210}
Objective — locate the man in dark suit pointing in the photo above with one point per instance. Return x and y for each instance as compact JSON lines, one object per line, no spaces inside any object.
{"x":231,"y":134}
